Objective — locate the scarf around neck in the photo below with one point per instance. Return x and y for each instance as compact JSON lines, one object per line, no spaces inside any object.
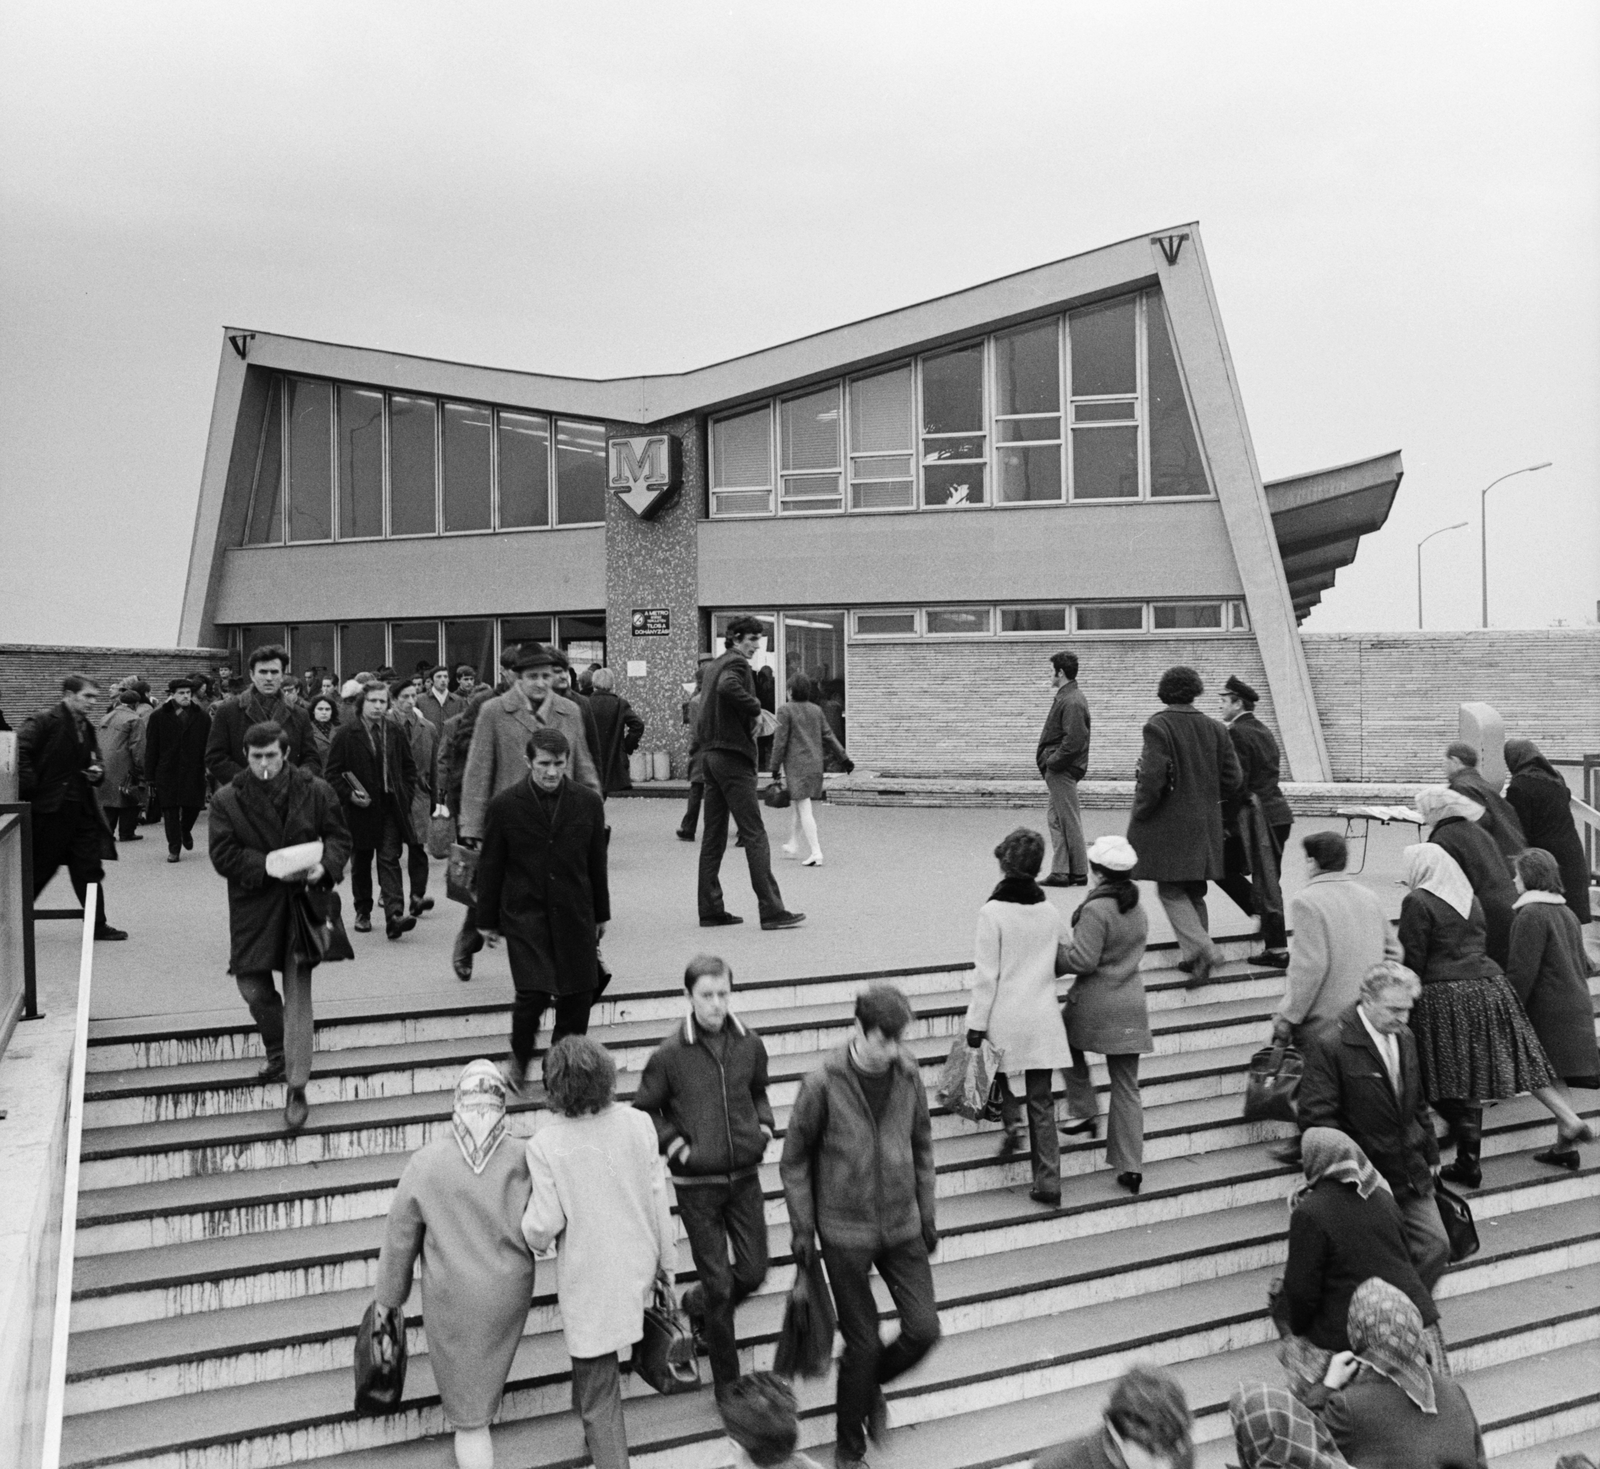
{"x":1124,"y":894}
{"x":1015,"y":888}
{"x":1538,"y":895}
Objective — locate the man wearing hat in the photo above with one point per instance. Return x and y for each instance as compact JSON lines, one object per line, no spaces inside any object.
{"x":175,"y":762}
{"x":1257,"y":820}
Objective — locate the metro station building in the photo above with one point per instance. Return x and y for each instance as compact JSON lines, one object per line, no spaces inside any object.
{"x":921,"y":507}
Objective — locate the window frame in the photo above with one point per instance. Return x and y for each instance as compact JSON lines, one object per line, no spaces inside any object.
{"x":852,"y":454}
{"x":713,"y":489}
{"x":985,"y":416}
{"x":856,"y":613}
{"x":1063,"y":406}
{"x":780,"y":474}
{"x":333,"y":462}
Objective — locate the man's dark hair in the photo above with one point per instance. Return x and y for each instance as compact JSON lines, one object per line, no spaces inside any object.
{"x":761,"y":1415}
{"x":551,"y":741}
{"x":1327,"y":849}
{"x":1021,"y":851}
{"x":437,"y":668}
{"x":399,"y":686}
{"x":76,"y":683}
{"x":742,"y":627}
{"x":1148,"y":1408}
{"x":265,"y":654}
{"x":1180,"y":685}
{"x":702,"y":965}
{"x":1539,"y":871}
{"x":1066,"y":663}
{"x":466,"y":668}
{"x":882,"y":1008}
{"x":801,"y":690}
{"x":1462,"y":752}
{"x":268,"y":732}
{"x":579,"y":1076}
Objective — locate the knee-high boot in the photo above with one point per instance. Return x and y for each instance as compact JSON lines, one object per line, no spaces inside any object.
{"x":1466,"y":1128}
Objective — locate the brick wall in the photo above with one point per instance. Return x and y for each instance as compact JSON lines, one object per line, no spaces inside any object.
{"x":31,"y":673}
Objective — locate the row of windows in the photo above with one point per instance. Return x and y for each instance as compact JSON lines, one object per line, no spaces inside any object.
{"x":985,"y":620}
{"x":1085,"y":407}
{"x":353,"y":463}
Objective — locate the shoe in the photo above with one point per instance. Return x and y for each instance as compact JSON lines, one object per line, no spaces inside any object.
{"x":845,"y":1461}
{"x":271,"y":1070}
{"x":399,"y":924}
{"x":721,"y":920}
{"x":1010,"y":1145}
{"x":109,"y":935}
{"x":1186,"y":966}
{"x":468,"y":942}
{"x":1078,"y":880}
{"x":172,"y":857}
{"x":813,"y":861}
{"x":188,"y":841}
{"x":784,"y":920}
{"x":515,"y":1072}
{"x":1086,"y":1127}
{"x":1056,"y":880}
{"x":1050,"y":1201}
{"x":419,"y":906}
{"x":363,"y":923}
{"x":136,"y":837}
{"x":684,"y":836}
{"x":878,"y":1420}
{"x":296,"y":1109}
{"x":1270,"y":959}
{"x":1568,"y":1158}
{"x":1131,"y":1181}
{"x":1289,"y":1154}
{"x":1199,"y":972}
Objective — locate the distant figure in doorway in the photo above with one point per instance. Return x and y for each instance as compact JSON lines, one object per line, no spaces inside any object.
{"x":1256,"y":820}
{"x":261,"y":703}
{"x":424,"y":740}
{"x":1063,"y":759}
{"x":1543,"y":803}
{"x":175,"y":760}
{"x":1499,"y":817}
{"x":798,"y":746}
{"x":617,"y":728}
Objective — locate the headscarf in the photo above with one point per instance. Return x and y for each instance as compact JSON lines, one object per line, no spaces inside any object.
{"x":1325,"y":1152}
{"x":479,"y":1120}
{"x":1386,"y":1334}
{"x":1433,"y":870}
{"x":1523,"y":757}
{"x":1273,"y":1429}
{"x":1440,"y":803}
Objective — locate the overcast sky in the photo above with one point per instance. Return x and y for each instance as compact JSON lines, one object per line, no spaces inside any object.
{"x":1400,"y":202}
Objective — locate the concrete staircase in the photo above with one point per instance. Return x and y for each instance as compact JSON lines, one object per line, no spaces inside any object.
{"x":222,"y":1266}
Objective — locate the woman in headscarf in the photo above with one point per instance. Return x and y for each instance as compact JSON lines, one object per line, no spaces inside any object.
{"x":1388,"y":1409}
{"x":1105,"y":1009}
{"x":459,"y":1206}
{"x":1454,"y":819}
{"x":1273,"y":1429}
{"x":1474,"y":1043}
{"x":324,"y":723}
{"x":1543,"y":804}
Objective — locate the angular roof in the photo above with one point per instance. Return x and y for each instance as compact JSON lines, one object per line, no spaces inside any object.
{"x":1319,"y":519}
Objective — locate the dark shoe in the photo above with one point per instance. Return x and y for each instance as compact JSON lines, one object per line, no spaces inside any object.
{"x":1087,"y":1127}
{"x":1050,"y":1201}
{"x":419,"y":906}
{"x":721,"y":920}
{"x":784,"y":920}
{"x":1289,"y":1154}
{"x":1186,"y":966}
{"x":1464,"y":1171}
{"x":684,"y":836}
{"x":1010,"y":1145}
{"x":1078,"y":880}
{"x":845,"y":1461}
{"x":1270,"y":959}
{"x":399,"y":924}
{"x":109,"y":935}
{"x":515,"y":1071}
{"x":1199,"y":973}
{"x":468,"y":942}
{"x":134,"y":838}
{"x":363,"y":923}
{"x":1056,"y":880}
{"x":172,"y":856}
{"x":188,"y":841}
{"x":296,"y":1109}
{"x":271,"y":1070}
{"x":878,"y":1420}
{"x":1568,"y":1158}
{"x":1131,"y":1181}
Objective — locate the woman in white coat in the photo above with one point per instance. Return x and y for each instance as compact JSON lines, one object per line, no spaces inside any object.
{"x":599,"y":1194}
{"x":1014,"y":1004}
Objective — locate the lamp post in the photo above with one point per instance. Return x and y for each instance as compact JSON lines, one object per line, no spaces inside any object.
{"x":1460,"y":524}
{"x":1483,"y":529}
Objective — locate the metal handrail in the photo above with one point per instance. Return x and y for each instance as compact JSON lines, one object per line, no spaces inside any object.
{"x":16,"y":824}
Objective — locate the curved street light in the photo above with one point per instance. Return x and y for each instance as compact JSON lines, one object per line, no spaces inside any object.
{"x":1459,"y":525}
{"x":1483,"y":529}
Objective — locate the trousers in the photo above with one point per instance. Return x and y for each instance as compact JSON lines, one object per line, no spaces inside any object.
{"x":731,"y":790}
{"x":1424,"y":1232}
{"x":1237,"y":885}
{"x":388,"y":854}
{"x":179,"y":824}
{"x":284,"y":1023}
{"x":417,"y":870}
{"x":1125,"y":1130}
{"x":1043,"y":1138}
{"x":1185,"y":905}
{"x":1068,"y":855}
{"x":70,"y":837}
{"x":597,"y":1400}
{"x":715,"y":1216}
{"x":691,"y":812}
{"x":527,"y":1011}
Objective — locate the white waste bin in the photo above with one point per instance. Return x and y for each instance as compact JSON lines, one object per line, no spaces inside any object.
{"x":661,"y":765}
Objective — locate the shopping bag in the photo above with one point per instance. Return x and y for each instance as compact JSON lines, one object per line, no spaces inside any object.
{"x":775,"y":795}
{"x":461,"y":876}
{"x":664,"y":1356}
{"x":441,"y":836}
{"x":380,"y":1361}
{"x":1271,"y":1089}
{"x":969,"y":1084}
{"x":317,"y":921}
{"x":1456,"y":1216}
{"x":805,"y":1340}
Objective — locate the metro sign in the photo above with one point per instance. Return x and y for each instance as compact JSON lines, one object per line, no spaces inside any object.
{"x":645,"y":473}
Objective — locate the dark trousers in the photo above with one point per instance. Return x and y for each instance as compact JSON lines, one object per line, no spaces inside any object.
{"x":731,"y":790}
{"x":1237,"y":885}
{"x":70,"y":837}
{"x":179,"y":823}
{"x":417,"y":871}
{"x":127,"y":823}
{"x":527,"y":1011}
{"x":284,"y":1023}
{"x":388,"y":854}
{"x":691,"y":812}
{"x":867,"y":1363}
{"x":597,"y":1400}
{"x":714,"y":1216}
{"x":1041,"y":1127}
{"x":1125,"y":1133}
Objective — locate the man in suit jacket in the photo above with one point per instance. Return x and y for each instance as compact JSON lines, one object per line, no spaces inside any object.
{"x":1256,"y":819}
{"x":1361,"y":1078}
{"x":435,"y":702}
{"x":261,"y":703}
{"x":542,"y":885}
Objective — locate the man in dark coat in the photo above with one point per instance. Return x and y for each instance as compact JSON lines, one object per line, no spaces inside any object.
{"x":371,"y":769}
{"x":1499,"y":818}
{"x":424,"y":739}
{"x":1256,"y":822}
{"x":542,"y":884}
{"x":562,"y":682}
{"x":1147,"y":1412}
{"x":175,"y":762}
{"x":261,"y":703}
{"x":1063,"y":759}
{"x":1361,"y":1078}
{"x":617,"y":728}
{"x":1186,"y":770}
{"x":269,"y":805}
{"x":58,"y":770}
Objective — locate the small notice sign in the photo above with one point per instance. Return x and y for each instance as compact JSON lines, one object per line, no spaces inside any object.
{"x":652,"y":622}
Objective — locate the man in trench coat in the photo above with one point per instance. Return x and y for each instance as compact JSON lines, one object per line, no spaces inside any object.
{"x":542,"y":885}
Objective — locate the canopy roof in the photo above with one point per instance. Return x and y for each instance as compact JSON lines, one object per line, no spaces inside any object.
{"x":1319,"y":519}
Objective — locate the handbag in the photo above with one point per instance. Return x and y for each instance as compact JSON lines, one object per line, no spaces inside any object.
{"x":805,"y":1340}
{"x":461,"y":875}
{"x":1456,"y":1216}
{"x":380,"y":1360}
{"x":664,"y":1356}
{"x":317,"y":932}
{"x":775,"y":795}
{"x":441,"y":836}
{"x":970,"y":1084}
{"x":1271,"y":1089}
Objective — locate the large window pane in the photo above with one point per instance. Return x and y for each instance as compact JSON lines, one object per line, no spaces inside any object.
{"x":582,"y":639}
{"x":741,"y":464}
{"x":314,"y":645}
{"x":811,"y":431}
{"x":470,"y":641}
{"x":265,"y":524}
{"x":1105,"y":464}
{"x":1032,"y":473}
{"x":580,"y":473}
{"x":952,"y":484}
{"x":414,"y":646}
{"x":363,"y":648}
{"x":360,"y":462}
{"x":466,"y":467}
{"x":524,"y":470}
{"x":1110,"y":617}
{"x":1027,"y":371}
{"x":1104,"y":357}
{"x":310,"y":461}
{"x":412,"y":466}
{"x":1184,"y":616}
{"x":952,"y":391}
{"x":1033,"y":619}
{"x":881,"y":441}
{"x":515,"y":630}
{"x":968,"y":620}
{"x":1175,"y":464}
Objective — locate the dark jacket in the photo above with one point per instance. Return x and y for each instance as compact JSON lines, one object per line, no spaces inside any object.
{"x":857,"y":1182}
{"x":1257,"y":750}
{"x":352,"y":753}
{"x":542,"y":883}
{"x":618,"y":731}
{"x":1499,"y":818}
{"x":1093,"y":1451}
{"x":244,"y":827}
{"x":1550,"y":973}
{"x":436,"y":713}
{"x":1438,"y":944}
{"x":1487,"y":871}
{"x":1337,"y":1239}
{"x":729,"y":709}
{"x":714,"y":1109}
{"x":55,"y":752}
{"x":1064,"y":741}
{"x":225,"y":756}
{"x":1378,"y":1427}
{"x":175,"y":754}
{"x":591,"y":729}
{"x":1187,"y":769}
{"x":1544,"y":807}
{"x":1345,"y":1086}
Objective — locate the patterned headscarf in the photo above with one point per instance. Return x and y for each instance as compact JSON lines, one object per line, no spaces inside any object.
{"x":1429,"y":867}
{"x":1385,"y":1330}
{"x":1325,"y":1152}
{"x":1273,"y":1429}
{"x":479,"y":1121}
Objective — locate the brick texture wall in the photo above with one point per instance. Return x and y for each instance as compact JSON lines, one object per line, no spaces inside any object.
{"x":31,"y":673}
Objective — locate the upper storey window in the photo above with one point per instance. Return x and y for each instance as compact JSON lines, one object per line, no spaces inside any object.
{"x":955,"y":448}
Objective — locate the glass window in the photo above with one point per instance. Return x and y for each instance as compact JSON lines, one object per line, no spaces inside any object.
{"x":580,"y":473}
{"x":881,"y":443}
{"x":1238,"y":618}
{"x":314,"y":645}
{"x":812,"y":453}
{"x":414,"y":646}
{"x":1109,"y":617}
{"x":1027,"y":375}
{"x":310,"y":461}
{"x":412,"y":466}
{"x":264,"y":524}
{"x":1031,"y":473}
{"x":900,"y":623}
{"x":1105,"y":463}
{"x":524,"y":470}
{"x":363,"y":648}
{"x":1175,"y":464}
{"x":467,"y":464}
{"x":525,"y":630}
{"x":1104,"y":355}
{"x":1185,"y":616}
{"x":954,"y":446}
{"x":582,"y":639}
{"x":741,"y":464}
{"x":259,"y":635}
{"x":360,"y":462}
{"x":470,"y":641}
{"x":1033,"y":619}
{"x":967,"y":620}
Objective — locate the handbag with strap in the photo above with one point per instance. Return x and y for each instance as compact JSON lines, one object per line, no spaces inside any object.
{"x":318,"y":934}
{"x":775,"y":795}
{"x":664,"y":1356}
{"x":1273,"y":1085}
{"x":380,"y":1361}
{"x":1456,"y":1216}
{"x":461,"y":875}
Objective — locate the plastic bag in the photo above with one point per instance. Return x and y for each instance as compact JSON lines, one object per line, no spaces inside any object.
{"x":968,"y":1085}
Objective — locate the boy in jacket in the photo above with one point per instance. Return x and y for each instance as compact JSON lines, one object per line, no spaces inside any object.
{"x":858,"y":1172}
{"x":705,"y":1088}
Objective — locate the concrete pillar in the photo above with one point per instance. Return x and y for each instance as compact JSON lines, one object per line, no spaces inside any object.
{"x":1481,"y":726}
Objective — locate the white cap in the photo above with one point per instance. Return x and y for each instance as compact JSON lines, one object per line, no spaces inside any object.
{"x":1114,"y":854}
{"x":351,"y":689}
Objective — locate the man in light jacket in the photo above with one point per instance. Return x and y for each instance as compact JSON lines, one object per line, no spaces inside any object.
{"x":858,"y":1172}
{"x":1063,"y":760}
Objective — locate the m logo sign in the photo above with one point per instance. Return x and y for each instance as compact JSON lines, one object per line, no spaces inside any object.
{"x":644,"y":473}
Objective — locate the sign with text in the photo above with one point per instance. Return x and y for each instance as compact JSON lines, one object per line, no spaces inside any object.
{"x":645,"y":473}
{"x":652,"y":622}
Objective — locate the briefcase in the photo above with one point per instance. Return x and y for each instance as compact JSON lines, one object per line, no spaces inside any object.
{"x":461,"y":875}
{"x":380,"y":1361}
{"x":1456,"y":1216}
{"x":664,"y":1356}
{"x":1271,"y":1089}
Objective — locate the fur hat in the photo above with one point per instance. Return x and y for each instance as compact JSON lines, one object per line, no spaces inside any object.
{"x":533,"y":655}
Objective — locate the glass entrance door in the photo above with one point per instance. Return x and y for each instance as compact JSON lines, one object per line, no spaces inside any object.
{"x":813,"y":644}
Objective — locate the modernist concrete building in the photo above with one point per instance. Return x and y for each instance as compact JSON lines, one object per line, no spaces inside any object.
{"x":921,"y":506}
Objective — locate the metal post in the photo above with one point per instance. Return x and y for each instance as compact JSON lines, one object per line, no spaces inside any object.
{"x":1483,"y":531}
{"x":1420,"y":544}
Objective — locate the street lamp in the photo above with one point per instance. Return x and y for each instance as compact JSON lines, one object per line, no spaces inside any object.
{"x":1483,"y":529}
{"x":1420,"y":544}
